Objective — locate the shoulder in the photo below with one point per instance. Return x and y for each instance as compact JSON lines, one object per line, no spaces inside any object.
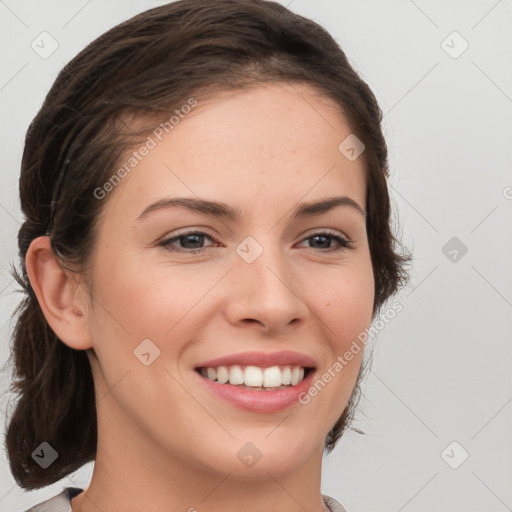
{"x":59,"y":503}
{"x":333,"y":505}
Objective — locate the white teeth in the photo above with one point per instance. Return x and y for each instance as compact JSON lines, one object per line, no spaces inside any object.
{"x":286,"y":375}
{"x":272,"y":377}
{"x":295,"y":376}
{"x":222,"y":374}
{"x":236,"y":375}
{"x":253,"y":377}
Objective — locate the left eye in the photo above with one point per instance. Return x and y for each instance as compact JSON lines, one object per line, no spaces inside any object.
{"x":192,"y":242}
{"x":327,"y":236}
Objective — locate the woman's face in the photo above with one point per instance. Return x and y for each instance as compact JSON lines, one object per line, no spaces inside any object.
{"x":263,"y":290}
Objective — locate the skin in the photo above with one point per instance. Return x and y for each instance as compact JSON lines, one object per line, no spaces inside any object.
{"x":160,"y":430}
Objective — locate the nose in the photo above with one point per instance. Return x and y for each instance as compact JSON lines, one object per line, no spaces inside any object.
{"x":266,"y":292}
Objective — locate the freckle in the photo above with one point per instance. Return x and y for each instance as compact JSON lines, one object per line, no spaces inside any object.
{"x":328,"y":304}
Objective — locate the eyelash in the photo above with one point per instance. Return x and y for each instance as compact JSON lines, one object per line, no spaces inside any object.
{"x":343,"y":242}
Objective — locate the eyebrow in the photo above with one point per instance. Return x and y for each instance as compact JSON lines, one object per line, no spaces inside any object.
{"x":218,"y":209}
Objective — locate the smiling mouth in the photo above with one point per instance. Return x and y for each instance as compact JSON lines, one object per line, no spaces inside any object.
{"x":255,"y":378}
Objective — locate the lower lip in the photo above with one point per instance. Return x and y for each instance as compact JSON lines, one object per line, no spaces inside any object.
{"x":258,"y":401}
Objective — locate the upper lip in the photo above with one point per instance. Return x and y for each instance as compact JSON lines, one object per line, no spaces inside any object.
{"x":262,"y":359}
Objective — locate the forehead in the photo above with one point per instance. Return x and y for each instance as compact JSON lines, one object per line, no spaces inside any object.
{"x":266,"y":143}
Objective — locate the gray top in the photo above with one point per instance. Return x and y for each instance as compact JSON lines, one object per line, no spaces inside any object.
{"x":61,"y":502}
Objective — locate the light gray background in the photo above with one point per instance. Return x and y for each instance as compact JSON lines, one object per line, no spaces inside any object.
{"x":441,"y":369}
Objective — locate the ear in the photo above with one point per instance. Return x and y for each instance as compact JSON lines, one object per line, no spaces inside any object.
{"x":58,"y":294}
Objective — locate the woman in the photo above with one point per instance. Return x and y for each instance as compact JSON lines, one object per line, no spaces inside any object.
{"x":207,"y":239}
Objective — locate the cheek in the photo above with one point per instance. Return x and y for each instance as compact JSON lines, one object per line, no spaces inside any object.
{"x":166,"y":304}
{"x":345,"y":302}
{"x":344,"y":306}
{"x":138,"y":302}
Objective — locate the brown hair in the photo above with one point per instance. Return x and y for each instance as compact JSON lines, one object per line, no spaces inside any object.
{"x":150,"y":65}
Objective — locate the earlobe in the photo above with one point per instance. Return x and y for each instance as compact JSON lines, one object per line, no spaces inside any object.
{"x":57,"y":294}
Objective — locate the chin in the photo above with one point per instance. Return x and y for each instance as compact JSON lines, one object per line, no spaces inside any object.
{"x":265,"y":456}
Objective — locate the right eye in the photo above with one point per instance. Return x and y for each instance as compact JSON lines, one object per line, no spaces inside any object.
{"x":191,"y":241}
